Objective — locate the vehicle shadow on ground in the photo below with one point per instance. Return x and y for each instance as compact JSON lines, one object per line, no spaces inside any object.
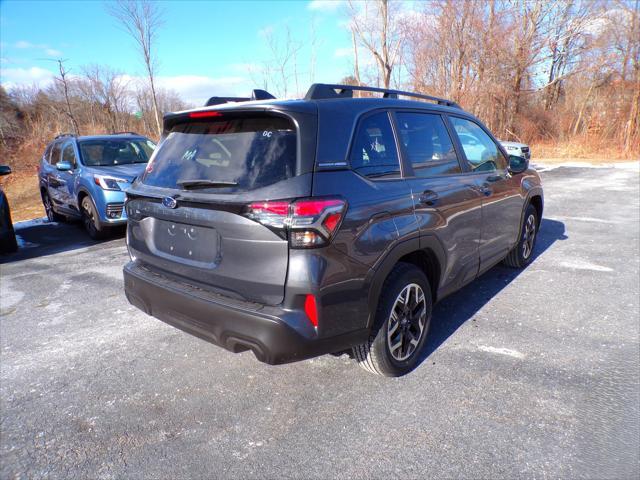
{"x":456,"y":309}
{"x":38,"y":238}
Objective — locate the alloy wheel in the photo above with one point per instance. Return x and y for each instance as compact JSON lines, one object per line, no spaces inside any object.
{"x":88,"y":215}
{"x":48,"y":208}
{"x":529,"y":236}
{"x":406,"y":324}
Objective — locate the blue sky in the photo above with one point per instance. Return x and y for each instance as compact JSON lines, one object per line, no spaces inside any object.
{"x":204,"y":48}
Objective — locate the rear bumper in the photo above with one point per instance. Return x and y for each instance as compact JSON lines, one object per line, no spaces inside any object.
{"x":274,"y":335}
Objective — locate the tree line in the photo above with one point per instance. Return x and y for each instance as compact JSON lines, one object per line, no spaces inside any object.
{"x":564,"y":72}
{"x":532,"y":70}
{"x":97,"y":99}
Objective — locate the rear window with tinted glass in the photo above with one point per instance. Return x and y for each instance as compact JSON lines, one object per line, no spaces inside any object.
{"x":246,"y":152}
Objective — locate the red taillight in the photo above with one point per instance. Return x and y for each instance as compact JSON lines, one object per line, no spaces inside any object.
{"x":311,"y":309}
{"x":204,"y":114}
{"x":310,"y":222}
{"x":277,"y":208}
{"x":332,"y":221}
{"x":271,"y":214}
{"x":313,"y":207}
{"x":314,"y":221}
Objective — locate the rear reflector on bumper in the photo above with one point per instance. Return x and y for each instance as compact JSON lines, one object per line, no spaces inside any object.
{"x":311,"y":310}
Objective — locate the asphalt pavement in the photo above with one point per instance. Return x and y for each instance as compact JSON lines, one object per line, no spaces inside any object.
{"x":532,"y":373}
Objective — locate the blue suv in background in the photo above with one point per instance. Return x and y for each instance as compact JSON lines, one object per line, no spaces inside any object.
{"x":85,"y":177}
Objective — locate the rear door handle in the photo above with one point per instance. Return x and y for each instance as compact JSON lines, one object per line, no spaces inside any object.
{"x":428,"y":197}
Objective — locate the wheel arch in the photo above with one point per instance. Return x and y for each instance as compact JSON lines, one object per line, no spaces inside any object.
{"x":536,"y":200}
{"x":425,"y":253}
{"x":82,"y":192}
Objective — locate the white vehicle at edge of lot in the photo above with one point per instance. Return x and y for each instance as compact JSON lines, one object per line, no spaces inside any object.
{"x":515,"y":148}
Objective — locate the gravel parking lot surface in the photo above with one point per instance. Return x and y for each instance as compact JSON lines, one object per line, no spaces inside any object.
{"x":529,"y":374}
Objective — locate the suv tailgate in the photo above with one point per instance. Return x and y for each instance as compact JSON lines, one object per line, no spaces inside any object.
{"x":201,"y":234}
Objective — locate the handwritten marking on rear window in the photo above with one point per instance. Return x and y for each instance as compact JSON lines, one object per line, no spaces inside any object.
{"x":267,"y":133}
{"x":189,"y":154}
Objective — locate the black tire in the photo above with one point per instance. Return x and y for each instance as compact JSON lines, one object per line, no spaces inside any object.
{"x":48,"y":208}
{"x":522,"y":253}
{"x":8,"y":242}
{"x":376,"y":355}
{"x":90,"y":219}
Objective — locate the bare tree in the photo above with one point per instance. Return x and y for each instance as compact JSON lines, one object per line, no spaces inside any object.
{"x":282,"y":64}
{"x":356,"y":63}
{"x":65,"y":86}
{"x":142,"y":19}
{"x":631,"y":49}
{"x":109,"y":90}
{"x":374,"y":24}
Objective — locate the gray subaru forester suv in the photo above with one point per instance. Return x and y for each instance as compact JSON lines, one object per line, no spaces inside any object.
{"x":296,"y":228}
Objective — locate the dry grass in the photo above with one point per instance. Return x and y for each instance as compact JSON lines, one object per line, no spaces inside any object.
{"x":583,"y":150}
{"x":23,"y":195}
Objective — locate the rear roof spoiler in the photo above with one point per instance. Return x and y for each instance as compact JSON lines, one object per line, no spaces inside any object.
{"x":256,"y":94}
{"x":320,"y":91}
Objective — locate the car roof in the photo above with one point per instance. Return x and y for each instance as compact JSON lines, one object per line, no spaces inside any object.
{"x":111,"y":137}
{"x":311,"y":106}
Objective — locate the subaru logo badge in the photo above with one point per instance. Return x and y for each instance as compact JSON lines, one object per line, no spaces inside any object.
{"x":169,"y":202}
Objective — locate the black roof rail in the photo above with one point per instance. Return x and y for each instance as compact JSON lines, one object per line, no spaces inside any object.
{"x":256,"y":94}
{"x":126,"y":133}
{"x":62,"y":135}
{"x":319,"y":91}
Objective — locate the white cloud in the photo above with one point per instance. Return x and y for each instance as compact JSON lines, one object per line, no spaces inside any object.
{"x":193,"y":89}
{"x":197,"y":89}
{"x":266,"y":31}
{"x":16,"y":77}
{"x":343,"y":52}
{"x":325,"y":5}
{"x":46,"y":49}
{"x":52,"y":52}
{"x":23,"y":44}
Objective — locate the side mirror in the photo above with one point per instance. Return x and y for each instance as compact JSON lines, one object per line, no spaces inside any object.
{"x":5,"y":170}
{"x":64,"y":166}
{"x":517,"y":164}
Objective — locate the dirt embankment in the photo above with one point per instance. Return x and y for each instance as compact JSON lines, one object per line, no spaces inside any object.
{"x":23,"y":195}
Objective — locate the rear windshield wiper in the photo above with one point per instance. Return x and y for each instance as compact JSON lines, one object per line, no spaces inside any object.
{"x":204,"y":183}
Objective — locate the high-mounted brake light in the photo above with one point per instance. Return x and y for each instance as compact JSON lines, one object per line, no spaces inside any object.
{"x":310,"y":222}
{"x":204,"y":114}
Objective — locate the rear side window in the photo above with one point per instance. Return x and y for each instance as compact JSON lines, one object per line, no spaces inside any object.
{"x":374,"y":152}
{"x":244,"y":152}
{"x":55,"y":153}
{"x":482,"y":153}
{"x":47,"y":153}
{"x":427,"y":144}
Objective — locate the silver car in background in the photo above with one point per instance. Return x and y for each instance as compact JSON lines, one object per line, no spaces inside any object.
{"x":518,"y":149}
